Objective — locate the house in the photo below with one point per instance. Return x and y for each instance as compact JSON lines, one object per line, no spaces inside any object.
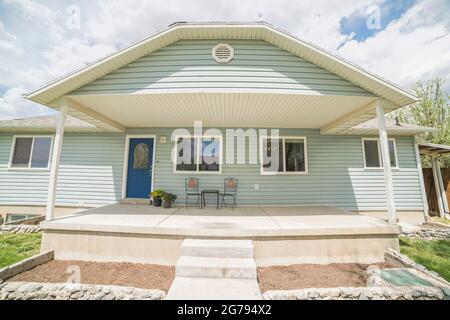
{"x":120,"y":118}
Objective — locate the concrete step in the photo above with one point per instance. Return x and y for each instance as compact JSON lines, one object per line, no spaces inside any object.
{"x":213,"y":289}
{"x":217,"y":248}
{"x":204,"y":267}
{"x":134,"y":201}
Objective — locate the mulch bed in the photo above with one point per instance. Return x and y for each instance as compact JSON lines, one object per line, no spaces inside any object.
{"x":304,"y":276}
{"x":146,"y":276}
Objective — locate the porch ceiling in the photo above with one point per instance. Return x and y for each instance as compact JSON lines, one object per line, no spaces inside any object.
{"x":222,"y":109}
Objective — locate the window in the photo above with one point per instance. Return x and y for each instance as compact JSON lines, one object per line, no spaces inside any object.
{"x":372,"y":153}
{"x":198,"y":154}
{"x":283,"y":155}
{"x":31,"y":152}
{"x":140,"y":155}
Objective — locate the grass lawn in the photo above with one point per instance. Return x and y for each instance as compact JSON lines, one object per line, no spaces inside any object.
{"x":432,"y":254}
{"x":16,"y":247}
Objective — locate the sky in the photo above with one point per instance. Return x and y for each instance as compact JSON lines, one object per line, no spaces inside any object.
{"x":401,"y":40}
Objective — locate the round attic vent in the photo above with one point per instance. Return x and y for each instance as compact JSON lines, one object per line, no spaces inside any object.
{"x":223,"y":53}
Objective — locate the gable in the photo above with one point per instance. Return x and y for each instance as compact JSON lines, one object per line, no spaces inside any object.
{"x":188,"y":65}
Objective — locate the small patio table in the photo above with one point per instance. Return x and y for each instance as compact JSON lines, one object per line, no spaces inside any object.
{"x":203,"y":198}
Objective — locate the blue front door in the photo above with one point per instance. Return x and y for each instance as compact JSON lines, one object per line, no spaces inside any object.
{"x":140,"y":167}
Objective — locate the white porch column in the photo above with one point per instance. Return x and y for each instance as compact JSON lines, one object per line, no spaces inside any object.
{"x":423,"y":192}
{"x":384,"y":147}
{"x":56,"y":154}
{"x":439,"y":186}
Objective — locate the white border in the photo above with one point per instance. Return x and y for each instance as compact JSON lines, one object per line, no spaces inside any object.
{"x":287,"y":173}
{"x":125,"y":160}
{"x":379,"y":153}
{"x":13,"y":147}
{"x":199,"y":138}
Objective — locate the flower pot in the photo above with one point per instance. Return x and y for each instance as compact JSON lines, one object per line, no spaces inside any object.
{"x":167,"y":204}
{"x":157,"y":202}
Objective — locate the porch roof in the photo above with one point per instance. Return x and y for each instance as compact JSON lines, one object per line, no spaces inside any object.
{"x":432,"y":148}
{"x":45,"y":124}
{"x":108,"y":113}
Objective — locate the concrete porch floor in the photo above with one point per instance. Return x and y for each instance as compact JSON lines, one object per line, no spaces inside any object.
{"x":240,"y":222}
{"x":280,"y":235}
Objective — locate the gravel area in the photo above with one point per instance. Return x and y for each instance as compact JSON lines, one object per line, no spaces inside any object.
{"x":304,"y":276}
{"x":144,"y":276}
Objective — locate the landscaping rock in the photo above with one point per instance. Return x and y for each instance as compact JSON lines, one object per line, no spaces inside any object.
{"x":370,"y":293}
{"x":70,"y":291}
{"x":423,"y":232}
{"x":20,"y":228}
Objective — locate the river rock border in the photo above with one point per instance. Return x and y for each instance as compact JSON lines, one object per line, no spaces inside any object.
{"x":71,"y":291}
{"x":428,"y":234}
{"x":20,"y":228}
{"x":363,"y":293}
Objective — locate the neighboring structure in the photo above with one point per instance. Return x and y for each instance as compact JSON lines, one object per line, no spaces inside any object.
{"x":434,"y":151}
{"x":227,"y":76}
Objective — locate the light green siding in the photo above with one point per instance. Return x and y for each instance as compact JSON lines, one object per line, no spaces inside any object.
{"x":336,"y":175}
{"x":188,"y":64}
{"x":90,"y":172}
{"x":92,"y":167}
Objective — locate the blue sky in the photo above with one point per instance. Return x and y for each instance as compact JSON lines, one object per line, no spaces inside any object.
{"x":39,"y":41}
{"x":389,"y":11}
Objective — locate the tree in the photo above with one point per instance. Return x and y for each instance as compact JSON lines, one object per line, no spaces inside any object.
{"x":432,"y":110}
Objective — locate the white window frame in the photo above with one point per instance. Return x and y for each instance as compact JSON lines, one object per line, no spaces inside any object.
{"x":199,"y":139}
{"x":29,"y":168}
{"x":380,"y":160}
{"x":283,"y":138}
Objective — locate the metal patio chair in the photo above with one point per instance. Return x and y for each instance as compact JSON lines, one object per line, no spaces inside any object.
{"x":229,"y":190}
{"x":191,"y":189}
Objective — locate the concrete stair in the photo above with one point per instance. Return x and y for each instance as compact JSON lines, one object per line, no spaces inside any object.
{"x":217,"y":248}
{"x":215,"y":270}
{"x":231,"y":259}
{"x":134,"y":201}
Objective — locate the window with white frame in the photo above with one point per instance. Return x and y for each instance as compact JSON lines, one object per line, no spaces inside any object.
{"x":283,"y":155}
{"x":31,"y":152}
{"x":198,"y":154}
{"x":372,"y":153}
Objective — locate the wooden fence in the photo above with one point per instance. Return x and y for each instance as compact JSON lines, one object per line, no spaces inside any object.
{"x":431,"y":191}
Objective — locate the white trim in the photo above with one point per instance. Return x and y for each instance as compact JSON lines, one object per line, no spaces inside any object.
{"x":197,"y":171}
{"x":421,"y":182}
{"x":125,"y":160}
{"x":379,"y":154}
{"x":29,"y":168}
{"x":56,"y":157}
{"x":387,"y":172}
{"x":287,"y":173}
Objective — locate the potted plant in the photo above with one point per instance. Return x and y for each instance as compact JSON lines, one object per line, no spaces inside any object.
{"x":168,"y":198}
{"x":156,"y":196}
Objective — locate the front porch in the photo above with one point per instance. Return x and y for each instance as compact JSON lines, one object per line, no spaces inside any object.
{"x":280,"y":235}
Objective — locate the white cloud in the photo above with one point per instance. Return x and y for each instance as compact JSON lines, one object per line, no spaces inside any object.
{"x":8,"y":42}
{"x":414,"y":47}
{"x":73,"y":54}
{"x":13,"y":105}
{"x":36,"y":46}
